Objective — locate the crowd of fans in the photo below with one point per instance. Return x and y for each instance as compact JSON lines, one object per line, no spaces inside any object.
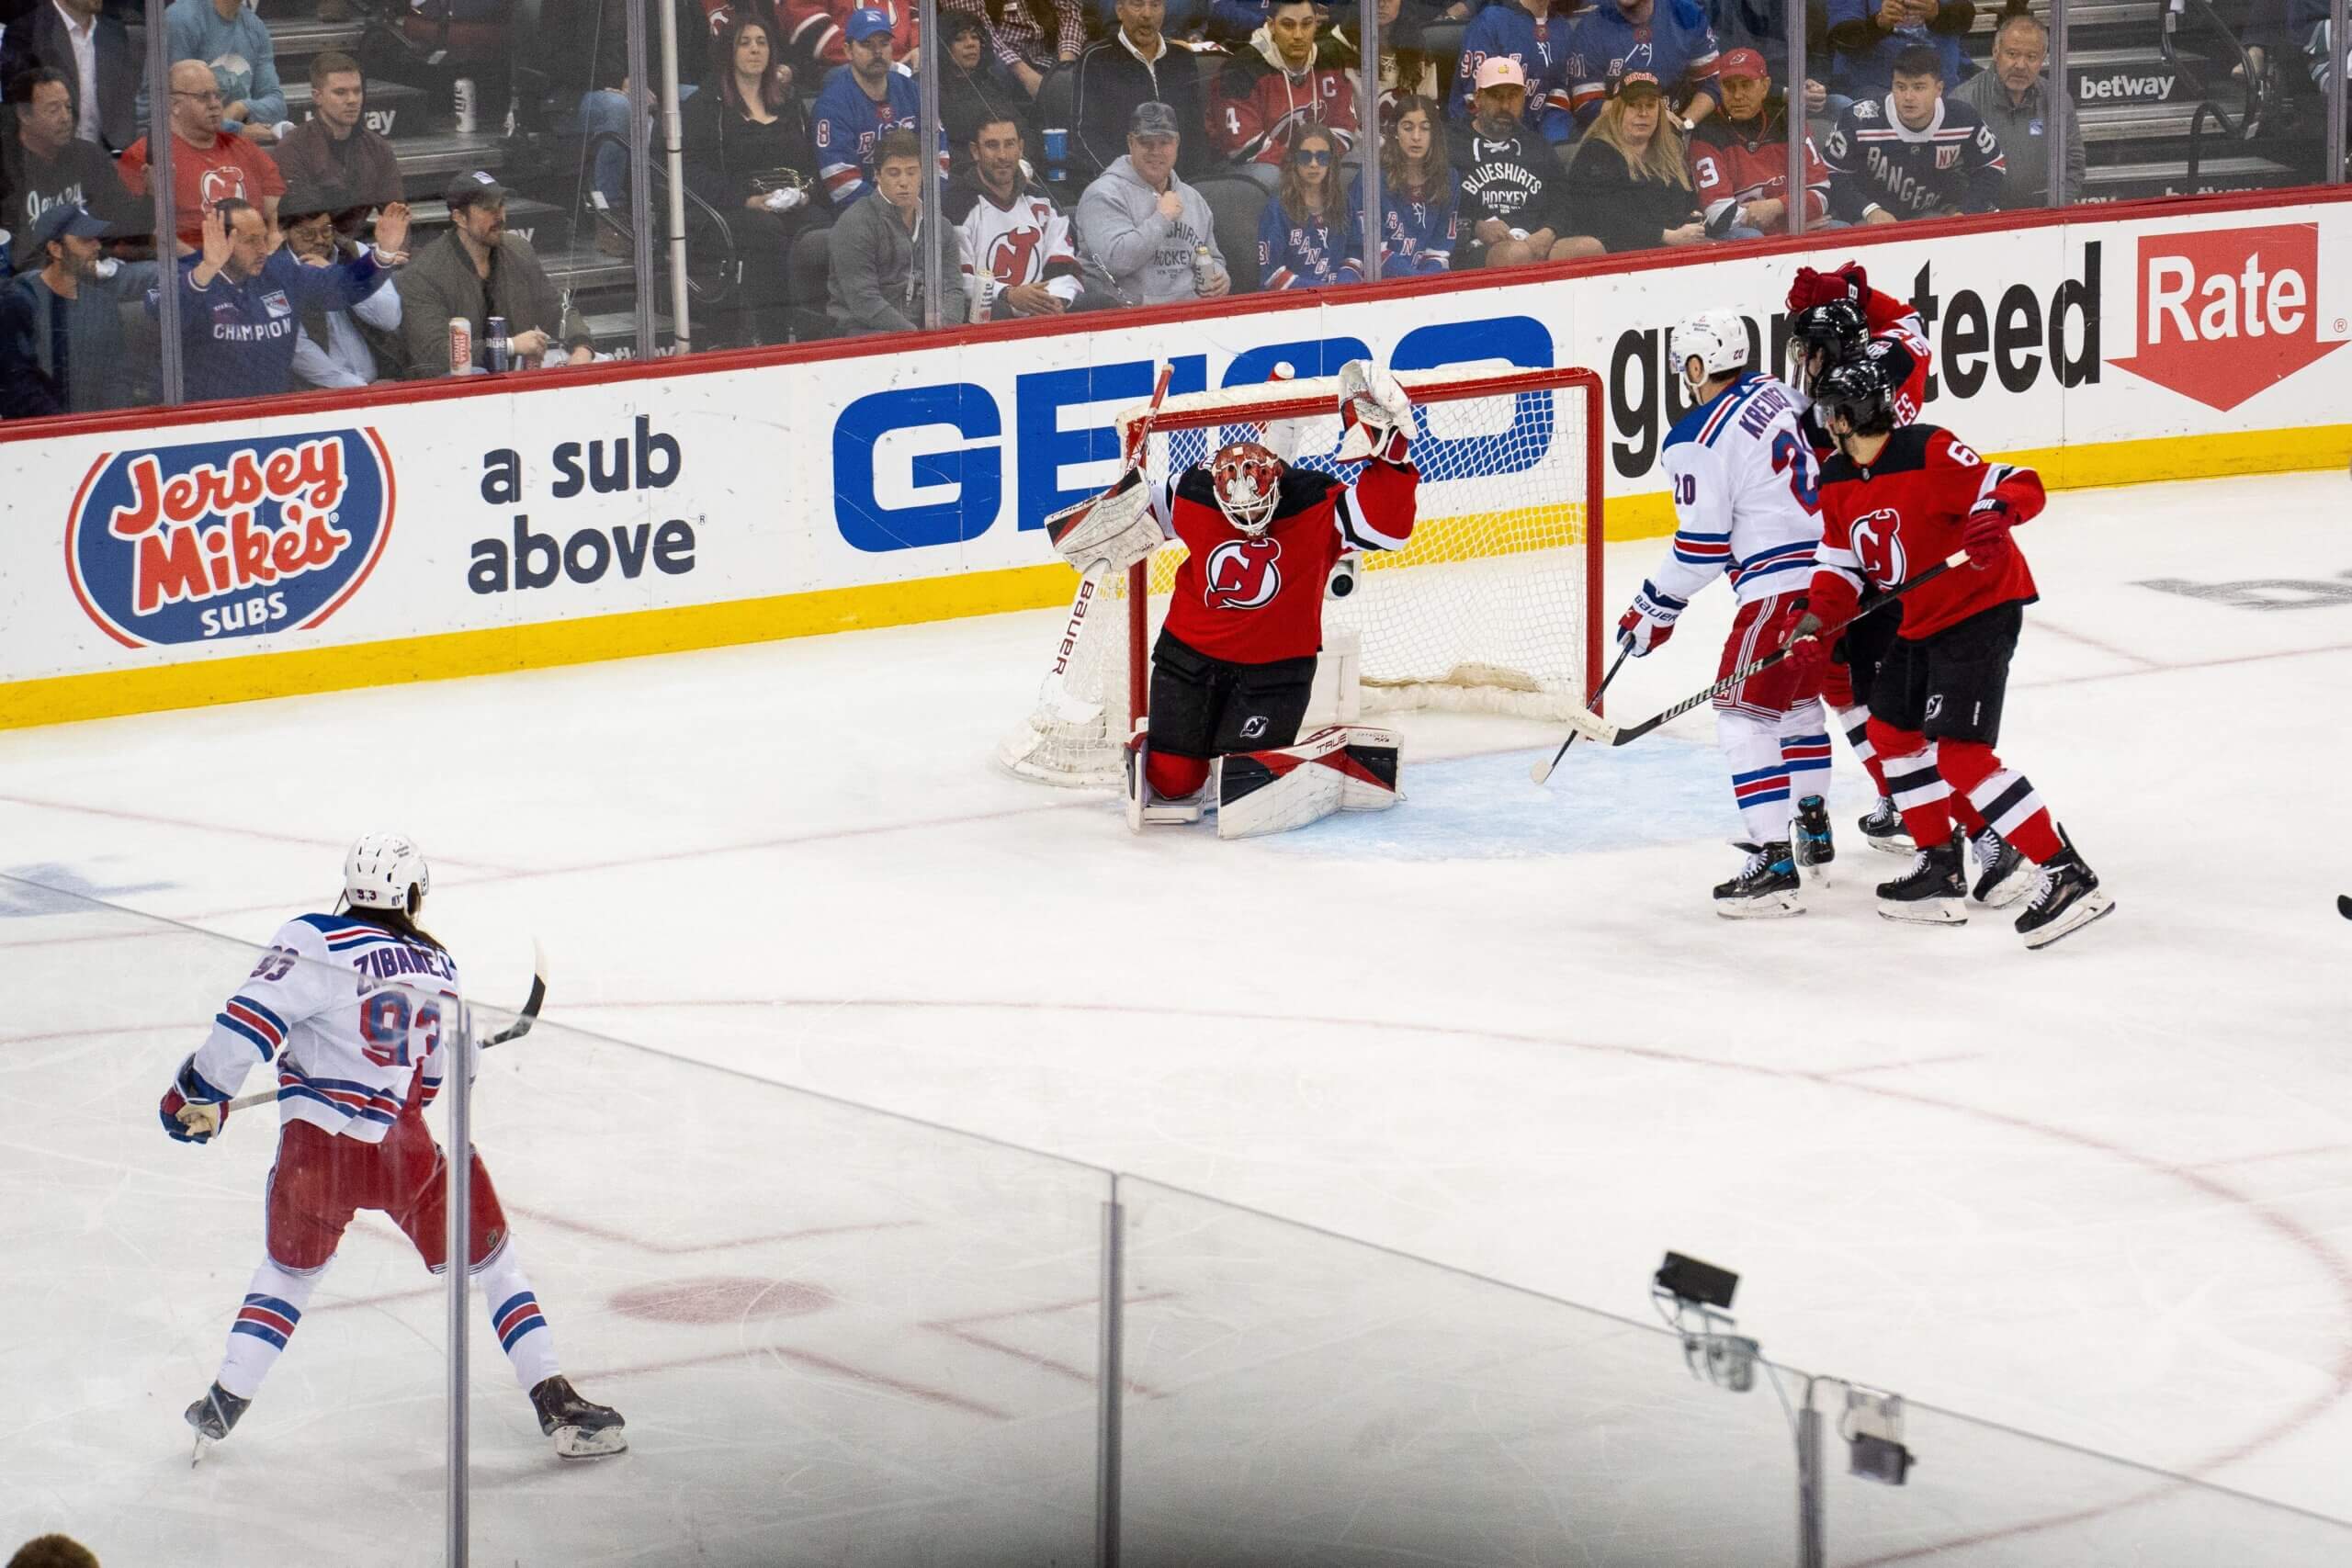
{"x":1098,"y":153}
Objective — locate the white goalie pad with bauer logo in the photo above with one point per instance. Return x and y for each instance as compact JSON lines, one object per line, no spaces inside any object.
{"x":1344,"y":768}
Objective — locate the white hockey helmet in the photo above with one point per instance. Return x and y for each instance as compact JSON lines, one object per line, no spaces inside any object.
{"x":1716,"y":339}
{"x":1246,"y":480}
{"x":386,"y":871}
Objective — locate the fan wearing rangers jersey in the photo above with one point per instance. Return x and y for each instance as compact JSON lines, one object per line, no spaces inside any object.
{"x":1014,"y":243}
{"x":341,"y":1008}
{"x":1745,"y":503}
{"x":858,"y":104}
{"x":1914,"y":154}
{"x":1895,"y":501}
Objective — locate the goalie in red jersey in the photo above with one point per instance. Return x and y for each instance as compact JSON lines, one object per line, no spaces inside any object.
{"x":1893,"y":502}
{"x":1233,"y":666}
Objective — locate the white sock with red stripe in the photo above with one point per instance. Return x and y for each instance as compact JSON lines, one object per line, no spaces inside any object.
{"x":516,"y":1318}
{"x":1759,"y":779}
{"x":1805,"y":750}
{"x":272,"y":1307}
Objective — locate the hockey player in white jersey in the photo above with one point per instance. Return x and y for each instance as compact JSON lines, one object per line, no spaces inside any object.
{"x":348,"y":1009}
{"x":1746,"y":507}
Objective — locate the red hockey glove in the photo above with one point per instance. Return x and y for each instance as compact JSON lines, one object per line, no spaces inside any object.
{"x":1649,"y":623}
{"x":1987,"y":535}
{"x":1811,"y":287}
{"x":1808,"y":654}
{"x":188,"y":1091}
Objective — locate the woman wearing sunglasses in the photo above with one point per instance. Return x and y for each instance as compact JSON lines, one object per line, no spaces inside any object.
{"x":1305,"y":239}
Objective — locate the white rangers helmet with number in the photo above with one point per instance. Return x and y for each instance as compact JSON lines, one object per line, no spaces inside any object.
{"x":1716,"y":339}
{"x":386,"y":871}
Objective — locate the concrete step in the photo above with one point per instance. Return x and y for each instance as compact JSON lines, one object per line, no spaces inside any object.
{"x":2159,"y":177}
{"x":438,"y":154}
{"x":2132,"y":74}
{"x":299,"y":38}
{"x":2086,"y":21}
{"x":583,"y":267}
{"x":2153,"y":121}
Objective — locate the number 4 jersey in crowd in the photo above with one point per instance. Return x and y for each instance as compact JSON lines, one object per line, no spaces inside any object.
{"x":345,"y":1010}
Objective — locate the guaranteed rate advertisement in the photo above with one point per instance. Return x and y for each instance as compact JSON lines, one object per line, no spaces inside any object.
{"x":886,"y":484}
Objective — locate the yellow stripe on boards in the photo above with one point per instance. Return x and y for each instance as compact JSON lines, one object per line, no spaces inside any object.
{"x":448,"y":655}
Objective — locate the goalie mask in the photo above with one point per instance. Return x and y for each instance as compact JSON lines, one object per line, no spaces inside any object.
{"x":1248,"y":481}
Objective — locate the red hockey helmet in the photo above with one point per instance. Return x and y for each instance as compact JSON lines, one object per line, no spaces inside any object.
{"x":1248,"y":479}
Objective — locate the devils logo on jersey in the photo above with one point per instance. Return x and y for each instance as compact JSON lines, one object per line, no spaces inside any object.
{"x":1879,"y":547}
{"x":1012,"y":256}
{"x":1243,"y":574}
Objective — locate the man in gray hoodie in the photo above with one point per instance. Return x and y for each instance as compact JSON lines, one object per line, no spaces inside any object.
{"x":1144,"y":234}
{"x":876,"y":279}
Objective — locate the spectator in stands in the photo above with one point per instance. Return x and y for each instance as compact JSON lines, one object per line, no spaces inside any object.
{"x":480,"y":269}
{"x":1305,"y":239}
{"x":61,"y":323}
{"x":861,"y":103}
{"x":242,"y":295}
{"x":594,"y":53}
{"x":1867,"y":36}
{"x":1914,"y":153}
{"x":1528,"y":32}
{"x":94,"y":53}
{"x":332,"y":157}
{"x":878,"y":270}
{"x":207,"y":163}
{"x":812,"y":34}
{"x":1017,"y":255}
{"x":1143,"y":234}
{"x":1629,"y":182}
{"x":53,"y":1551}
{"x":1514,"y":193}
{"x":1136,"y":64}
{"x":1739,"y":158}
{"x":339,"y":347}
{"x":1670,"y":39}
{"x":229,"y":37}
{"x":1419,"y":193}
{"x":1405,"y":68}
{"x":1028,"y":37}
{"x":747,"y":153}
{"x":973,"y":89}
{"x":1267,"y":94}
{"x":2014,"y":99}
{"x":44,"y":164}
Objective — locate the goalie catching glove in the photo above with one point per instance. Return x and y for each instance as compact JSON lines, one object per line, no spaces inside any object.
{"x":1377,"y":414}
{"x":1116,"y":527}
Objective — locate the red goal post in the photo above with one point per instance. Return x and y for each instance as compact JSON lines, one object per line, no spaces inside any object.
{"x":1494,"y":605}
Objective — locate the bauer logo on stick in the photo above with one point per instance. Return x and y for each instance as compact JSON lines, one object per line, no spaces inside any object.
{"x":228,"y":538}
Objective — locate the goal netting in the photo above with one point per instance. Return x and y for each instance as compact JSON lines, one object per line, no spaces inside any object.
{"x":1494,"y":605}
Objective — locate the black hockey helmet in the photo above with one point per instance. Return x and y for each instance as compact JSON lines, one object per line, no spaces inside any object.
{"x":1858,"y":392}
{"x":1829,"y":335}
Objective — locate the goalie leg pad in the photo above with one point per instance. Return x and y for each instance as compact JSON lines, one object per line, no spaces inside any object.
{"x":1345,"y":768}
{"x":1161,"y":787}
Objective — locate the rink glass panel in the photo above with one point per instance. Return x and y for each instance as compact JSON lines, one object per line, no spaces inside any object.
{"x":127,"y":1257}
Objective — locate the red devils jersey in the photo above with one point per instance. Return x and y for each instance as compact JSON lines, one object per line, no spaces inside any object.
{"x":1252,"y":601}
{"x":1906,"y":512}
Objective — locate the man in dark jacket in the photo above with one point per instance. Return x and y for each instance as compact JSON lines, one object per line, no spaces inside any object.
{"x":334,"y":157}
{"x":478,"y":269}
{"x":61,"y":324}
{"x":59,"y":35}
{"x":1134,"y":66}
{"x":45,"y":163}
{"x":241,"y":303}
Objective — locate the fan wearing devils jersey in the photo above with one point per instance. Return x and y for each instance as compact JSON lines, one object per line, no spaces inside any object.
{"x":1894,"y":501}
{"x":353,"y":1012}
{"x":1014,"y":243}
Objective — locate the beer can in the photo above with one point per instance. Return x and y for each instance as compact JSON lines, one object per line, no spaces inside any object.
{"x":461,"y":347}
{"x":493,"y":331}
{"x":461,"y":92}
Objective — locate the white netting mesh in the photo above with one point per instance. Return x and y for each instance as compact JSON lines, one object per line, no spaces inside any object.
{"x":1488,"y":608}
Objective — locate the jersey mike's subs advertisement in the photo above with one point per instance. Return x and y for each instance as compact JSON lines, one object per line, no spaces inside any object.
{"x":218,"y":559}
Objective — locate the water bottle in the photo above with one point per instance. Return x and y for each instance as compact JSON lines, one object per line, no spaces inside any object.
{"x":1203,"y":268}
{"x":461,"y":94}
{"x":493,"y":331}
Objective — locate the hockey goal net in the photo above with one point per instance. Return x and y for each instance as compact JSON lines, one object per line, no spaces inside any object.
{"x":1494,"y":607}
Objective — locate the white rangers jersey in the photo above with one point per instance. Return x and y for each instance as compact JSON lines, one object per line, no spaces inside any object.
{"x":351,"y":1015}
{"x":1026,"y":241}
{"x":1747,"y":495}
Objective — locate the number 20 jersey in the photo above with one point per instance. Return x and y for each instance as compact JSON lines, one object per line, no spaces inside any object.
{"x":350,"y":1014}
{"x":1745,"y":501}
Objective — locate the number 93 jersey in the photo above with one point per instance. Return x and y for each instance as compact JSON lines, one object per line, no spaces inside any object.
{"x":349,"y":1014}
{"x":1747,"y":499}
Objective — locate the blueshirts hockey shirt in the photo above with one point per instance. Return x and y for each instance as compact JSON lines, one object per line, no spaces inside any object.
{"x":1952,"y":162}
{"x":1312,"y":253}
{"x":847,"y":124}
{"x":1747,"y":499}
{"x":1523,"y":187}
{"x":351,"y":1017}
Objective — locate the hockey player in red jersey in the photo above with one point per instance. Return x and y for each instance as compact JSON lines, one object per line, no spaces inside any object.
{"x":1894,"y":501}
{"x":1235,"y":661}
{"x":338,"y":1010}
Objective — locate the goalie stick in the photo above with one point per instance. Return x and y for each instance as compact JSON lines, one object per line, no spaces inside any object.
{"x":1608,"y":734}
{"x":1054,"y":693}
{"x":515,"y":1031}
{"x":1542,"y":770}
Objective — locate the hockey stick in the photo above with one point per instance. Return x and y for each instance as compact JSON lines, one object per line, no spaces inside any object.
{"x":2343,"y":905}
{"x":515,"y":1031}
{"x":1054,"y":693}
{"x":1608,"y":734}
{"x":1542,"y":771}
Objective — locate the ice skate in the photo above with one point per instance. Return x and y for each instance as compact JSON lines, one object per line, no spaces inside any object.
{"x":2003,"y":875}
{"x":2068,"y":899}
{"x":581,"y":1429}
{"x":1766,"y":888}
{"x":214,"y":1416}
{"x":1933,"y":892}
{"x":1884,"y":829}
{"x":1809,"y":837}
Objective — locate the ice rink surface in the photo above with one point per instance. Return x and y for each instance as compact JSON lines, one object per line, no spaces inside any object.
{"x":2101,"y":1192}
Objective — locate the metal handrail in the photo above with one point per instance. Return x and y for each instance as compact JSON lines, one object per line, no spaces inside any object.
{"x":728,"y":273}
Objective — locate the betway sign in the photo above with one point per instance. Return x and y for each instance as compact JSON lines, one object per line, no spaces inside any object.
{"x":2226,"y":312}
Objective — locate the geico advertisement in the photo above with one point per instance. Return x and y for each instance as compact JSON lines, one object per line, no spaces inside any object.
{"x":416,"y":518}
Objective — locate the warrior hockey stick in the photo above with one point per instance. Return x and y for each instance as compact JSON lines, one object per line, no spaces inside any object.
{"x":1599,"y":730}
{"x":1053,"y":694}
{"x":1542,"y":769}
{"x":515,"y":1031}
